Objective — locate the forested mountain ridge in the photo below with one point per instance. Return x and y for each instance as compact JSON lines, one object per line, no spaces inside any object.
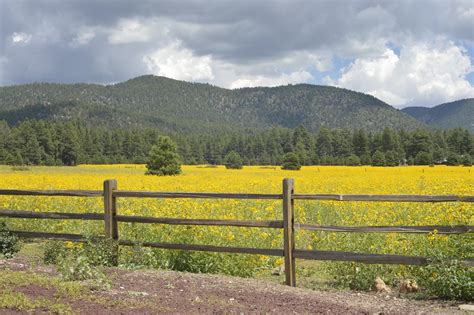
{"x":172,"y":105}
{"x":448,"y":115}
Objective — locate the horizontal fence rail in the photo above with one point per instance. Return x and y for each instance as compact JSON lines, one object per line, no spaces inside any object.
{"x":152,"y":194}
{"x":111,"y":218}
{"x":66,"y":193}
{"x":440,"y":229}
{"x":385,"y":198}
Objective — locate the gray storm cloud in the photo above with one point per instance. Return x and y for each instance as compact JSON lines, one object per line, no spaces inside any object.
{"x":238,"y":43}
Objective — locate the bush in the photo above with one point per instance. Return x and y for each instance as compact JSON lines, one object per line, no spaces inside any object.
{"x":378,"y":159}
{"x":78,"y":261}
{"x":353,"y":160}
{"x":448,"y":279}
{"x":54,"y":251}
{"x":163,"y":158}
{"x":101,"y":251}
{"x":453,"y":159}
{"x":291,"y":162}
{"x":391,"y":158}
{"x":466,"y":160}
{"x":365,"y":159}
{"x":233,"y":161}
{"x":423,"y":158}
{"x":9,"y":242}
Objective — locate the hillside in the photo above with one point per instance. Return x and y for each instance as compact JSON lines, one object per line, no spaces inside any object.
{"x":182,"y":106}
{"x":448,"y":115}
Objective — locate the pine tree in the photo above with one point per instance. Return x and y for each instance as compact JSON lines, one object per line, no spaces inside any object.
{"x":291,"y":162}
{"x":378,"y":159}
{"x":423,"y":158}
{"x":233,"y":161}
{"x":163,"y":158}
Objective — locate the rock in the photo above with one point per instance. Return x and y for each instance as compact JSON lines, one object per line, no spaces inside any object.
{"x":278,"y":271}
{"x":408,"y":286}
{"x":466,"y":307}
{"x":381,"y":287}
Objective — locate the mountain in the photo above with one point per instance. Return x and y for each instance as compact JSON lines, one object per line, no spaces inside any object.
{"x":167,"y":104}
{"x":448,"y":115}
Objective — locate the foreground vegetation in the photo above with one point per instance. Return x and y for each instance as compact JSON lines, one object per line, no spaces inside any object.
{"x":447,"y":279}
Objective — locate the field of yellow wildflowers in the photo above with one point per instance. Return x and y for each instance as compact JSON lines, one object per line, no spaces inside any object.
{"x":440,"y":180}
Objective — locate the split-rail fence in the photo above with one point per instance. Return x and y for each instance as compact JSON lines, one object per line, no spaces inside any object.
{"x":111,"y":217}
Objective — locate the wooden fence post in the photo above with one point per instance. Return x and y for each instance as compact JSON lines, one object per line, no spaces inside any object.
{"x":289,"y":232}
{"x":110,"y":212}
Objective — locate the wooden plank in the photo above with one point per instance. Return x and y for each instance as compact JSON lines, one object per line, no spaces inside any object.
{"x":152,"y":194}
{"x":362,"y":258}
{"x":456,"y":229}
{"x":50,"y":215}
{"x":468,"y":262}
{"x":207,"y":248}
{"x":70,"y":193}
{"x":385,"y":198}
{"x":110,"y":209}
{"x":289,"y":232}
{"x":57,"y":236}
{"x":179,"y":221}
{"x":110,"y":213}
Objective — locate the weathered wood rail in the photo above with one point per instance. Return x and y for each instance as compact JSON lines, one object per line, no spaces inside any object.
{"x":110,"y":193}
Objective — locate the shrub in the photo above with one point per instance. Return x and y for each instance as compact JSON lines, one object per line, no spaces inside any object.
{"x":453,"y":159}
{"x":423,"y":158}
{"x":233,"y":160}
{"x":291,"y":162}
{"x":101,"y":251}
{"x":9,"y":242}
{"x":378,"y":159}
{"x":78,"y":261}
{"x":448,"y":279}
{"x":466,"y":160}
{"x":391,"y":158}
{"x":365,"y":159}
{"x":54,"y":251}
{"x":353,"y":160}
{"x":163,"y":158}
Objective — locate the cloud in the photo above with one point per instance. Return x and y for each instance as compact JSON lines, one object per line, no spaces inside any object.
{"x":175,"y":61}
{"x":130,"y":31}
{"x":423,"y":74}
{"x":83,"y":37}
{"x":20,"y":38}
{"x":234,"y":43}
{"x":283,"y":79}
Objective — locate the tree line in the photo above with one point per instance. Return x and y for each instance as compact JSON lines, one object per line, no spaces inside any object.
{"x":41,"y":142}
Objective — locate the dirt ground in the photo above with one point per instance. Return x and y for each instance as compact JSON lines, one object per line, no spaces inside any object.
{"x":169,"y":292}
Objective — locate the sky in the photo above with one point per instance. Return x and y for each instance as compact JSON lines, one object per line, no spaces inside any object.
{"x":407,"y":53}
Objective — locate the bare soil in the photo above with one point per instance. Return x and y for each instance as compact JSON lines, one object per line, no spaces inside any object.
{"x":169,"y":292}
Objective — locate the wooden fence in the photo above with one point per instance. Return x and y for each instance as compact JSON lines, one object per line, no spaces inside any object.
{"x":110,"y":193}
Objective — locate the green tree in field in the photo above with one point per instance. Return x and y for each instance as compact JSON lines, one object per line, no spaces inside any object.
{"x":291,"y":162}
{"x":353,"y":160}
{"x":391,"y":158}
{"x":233,"y":161}
{"x":466,"y":160}
{"x":453,"y":159}
{"x":423,"y":158}
{"x":163,"y":158}
{"x":378,"y":159}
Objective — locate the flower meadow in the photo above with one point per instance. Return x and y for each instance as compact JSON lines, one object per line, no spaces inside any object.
{"x":447,"y":278}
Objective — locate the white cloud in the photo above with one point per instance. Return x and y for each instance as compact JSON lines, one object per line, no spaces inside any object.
{"x":423,"y":74}
{"x":83,"y":37}
{"x":20,"y":38}
{"x":177,"y":62}
{"x":282,"y":79}
{"x":130,"y":31}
